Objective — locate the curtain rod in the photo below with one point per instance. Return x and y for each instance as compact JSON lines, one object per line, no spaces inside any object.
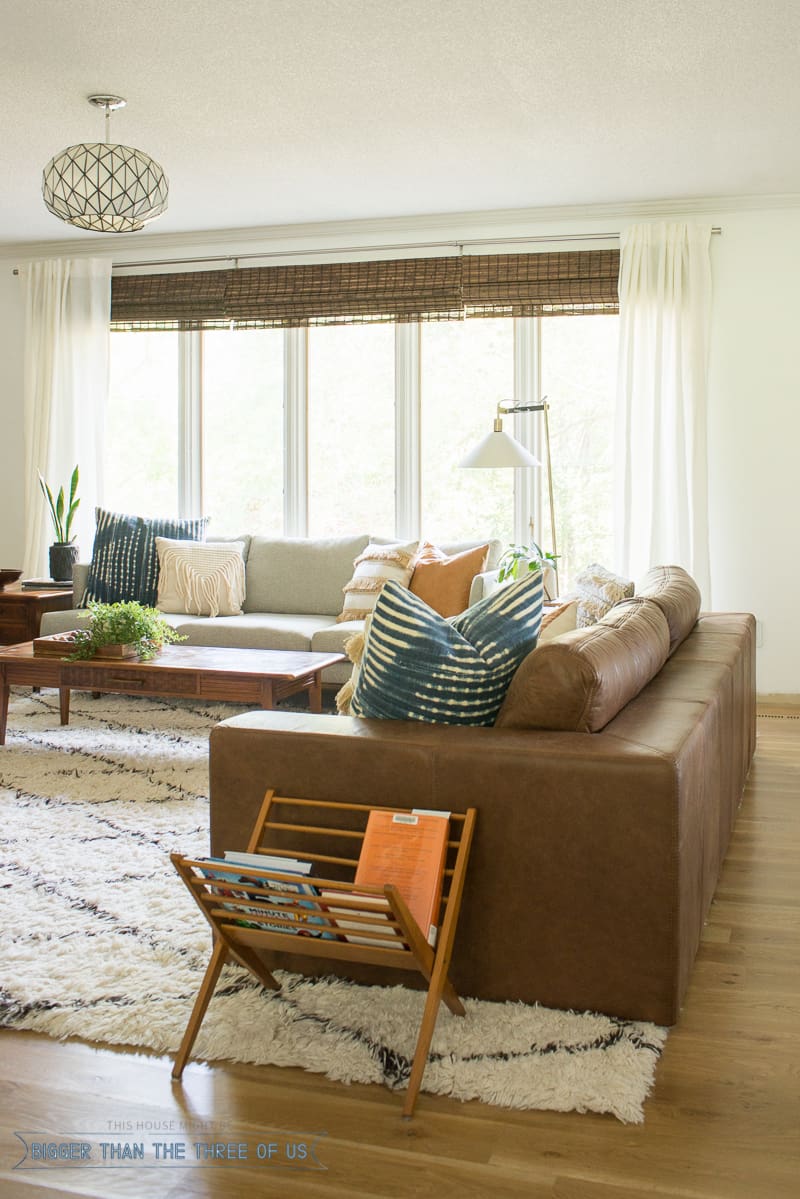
{"x":419,"y":245}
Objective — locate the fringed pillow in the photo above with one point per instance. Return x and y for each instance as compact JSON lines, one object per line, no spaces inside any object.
{"x":598,"y":590}
{"x":200,"y":578}
{"x":354,"y":648}
{"x":372,"y":569}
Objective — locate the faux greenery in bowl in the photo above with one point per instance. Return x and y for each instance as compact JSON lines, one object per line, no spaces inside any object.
{"x":130,"y":624}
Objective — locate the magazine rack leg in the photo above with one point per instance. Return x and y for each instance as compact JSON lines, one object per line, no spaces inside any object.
{"x":439,"y":981}
{"x":219,"y":957}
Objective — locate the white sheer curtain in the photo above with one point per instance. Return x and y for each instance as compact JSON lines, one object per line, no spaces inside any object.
{"x":67,"y":313}
{"x":661,"y":500}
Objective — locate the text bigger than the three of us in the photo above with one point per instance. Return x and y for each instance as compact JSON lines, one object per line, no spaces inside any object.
{"x":278,"y":1152}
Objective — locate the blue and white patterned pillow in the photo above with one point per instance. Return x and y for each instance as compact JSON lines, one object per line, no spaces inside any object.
{"x":419,"y":666}
{"x":124,"y":559}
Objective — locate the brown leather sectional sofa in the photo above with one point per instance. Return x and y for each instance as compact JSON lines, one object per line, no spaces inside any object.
{"x":606,"y":794}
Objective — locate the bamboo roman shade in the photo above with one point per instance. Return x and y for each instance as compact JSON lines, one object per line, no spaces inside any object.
{"x":396,"y":290}
{"x":541,"y":284}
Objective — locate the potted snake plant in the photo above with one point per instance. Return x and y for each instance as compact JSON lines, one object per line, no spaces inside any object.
{"x":63,"y":551}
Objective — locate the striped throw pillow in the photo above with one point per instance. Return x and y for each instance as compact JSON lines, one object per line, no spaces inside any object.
{"x":124,"y":563}
{"x":419,"y":666}
{"x":371,"y":569}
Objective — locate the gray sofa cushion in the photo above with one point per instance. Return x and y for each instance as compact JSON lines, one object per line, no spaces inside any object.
{"x":300,"y":574}
{"x":257,"y":630}
{"x":331,"y":639}
{"x":457,"y":547}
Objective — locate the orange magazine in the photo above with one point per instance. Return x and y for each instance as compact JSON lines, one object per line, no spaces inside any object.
{"x":407,"y":849}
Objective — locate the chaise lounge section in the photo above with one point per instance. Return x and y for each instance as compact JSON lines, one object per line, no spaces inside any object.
{"x":597,"y":852}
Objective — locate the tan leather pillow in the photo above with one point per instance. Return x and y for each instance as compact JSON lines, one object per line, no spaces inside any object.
{"x":582,"y":679}
{"x":678,"y":597}
{"x":443,"y":581}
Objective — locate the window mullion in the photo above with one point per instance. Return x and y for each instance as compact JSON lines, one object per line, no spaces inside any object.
{"x":190,"y":424}
{"x":295,"y":437}
{"x":407,"y":430}
{"x":527,"y":429}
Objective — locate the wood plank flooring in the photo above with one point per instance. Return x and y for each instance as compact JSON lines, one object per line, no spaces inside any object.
{"x":722,"y":1122}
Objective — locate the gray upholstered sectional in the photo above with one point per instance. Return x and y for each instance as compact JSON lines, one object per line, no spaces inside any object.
{"x":293,"y":596}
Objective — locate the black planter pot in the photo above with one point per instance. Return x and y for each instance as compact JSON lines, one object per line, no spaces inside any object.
{"x":63,"y":556}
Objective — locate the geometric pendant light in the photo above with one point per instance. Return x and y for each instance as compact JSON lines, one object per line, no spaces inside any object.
{"x":105,"y":187}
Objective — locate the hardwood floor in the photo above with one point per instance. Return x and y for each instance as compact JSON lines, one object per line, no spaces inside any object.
{"x":722,"y":1122}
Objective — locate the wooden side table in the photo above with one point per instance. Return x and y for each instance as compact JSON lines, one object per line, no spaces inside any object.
{"x":21,"y":611}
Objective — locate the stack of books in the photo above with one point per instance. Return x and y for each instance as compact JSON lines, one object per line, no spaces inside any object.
{"x":46,"y":584}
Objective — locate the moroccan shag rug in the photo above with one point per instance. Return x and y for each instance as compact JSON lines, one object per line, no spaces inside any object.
{"x":101,"y":941}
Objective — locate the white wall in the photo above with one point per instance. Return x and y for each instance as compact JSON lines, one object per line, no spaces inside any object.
{"x":754,"y":433}
{"x":754,"y":421}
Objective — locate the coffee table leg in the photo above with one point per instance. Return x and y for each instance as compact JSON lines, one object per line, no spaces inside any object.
{"x":4,"y":690}
{"x":267,"y":695}
{"x":315,"y":692}
{"x":63,"y":700}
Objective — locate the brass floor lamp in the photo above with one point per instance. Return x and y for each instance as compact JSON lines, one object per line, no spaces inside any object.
{"x":499,"y":449}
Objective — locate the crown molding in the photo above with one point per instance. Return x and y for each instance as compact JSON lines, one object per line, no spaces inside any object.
{"x":448,"y":226}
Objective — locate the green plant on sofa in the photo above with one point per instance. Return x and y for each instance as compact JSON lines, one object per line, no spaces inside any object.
{"x":62,"y":511}
{"x":533,"y":554}
{"x":124,"y":624}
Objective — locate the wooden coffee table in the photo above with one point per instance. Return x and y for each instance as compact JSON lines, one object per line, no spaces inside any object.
{"x":245,"y":676}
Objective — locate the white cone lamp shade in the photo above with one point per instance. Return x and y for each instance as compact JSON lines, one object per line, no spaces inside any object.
{"x":499,"y":449}
{"x":103,"y":186}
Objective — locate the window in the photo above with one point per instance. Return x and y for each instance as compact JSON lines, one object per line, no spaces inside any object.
{"x":351,"y":430}
{"x":466,"y":367}
{"x":182,"y":440}
{"x":578,"y":367}
{"x":242,"y":407}
{"x":141,"y":436}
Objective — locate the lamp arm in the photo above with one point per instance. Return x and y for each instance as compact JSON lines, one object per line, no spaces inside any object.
{"x":509,"y":407}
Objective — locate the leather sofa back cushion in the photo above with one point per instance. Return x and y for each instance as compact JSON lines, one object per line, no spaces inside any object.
{"x":678,"y":597}
{"x":582,"y":679}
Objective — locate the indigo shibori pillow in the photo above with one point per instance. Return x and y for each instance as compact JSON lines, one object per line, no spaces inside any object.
{"x":124,"y":562}
{"x":419,"y":666}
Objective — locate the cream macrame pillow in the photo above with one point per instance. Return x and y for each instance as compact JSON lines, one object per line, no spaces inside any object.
{"x":200,"y":578}
{"x":371,"y":570}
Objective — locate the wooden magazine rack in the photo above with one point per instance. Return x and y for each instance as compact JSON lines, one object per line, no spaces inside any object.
{"x":257,"y":901}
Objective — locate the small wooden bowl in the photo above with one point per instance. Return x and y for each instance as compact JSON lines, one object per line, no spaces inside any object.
{"x":8,"y":576}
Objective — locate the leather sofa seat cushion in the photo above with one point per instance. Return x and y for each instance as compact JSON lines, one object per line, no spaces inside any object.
{"x":580,"y":681}
{"x":678,"y":597}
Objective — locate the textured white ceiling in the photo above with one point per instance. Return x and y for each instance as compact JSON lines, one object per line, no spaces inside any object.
{"x":278,"y":111}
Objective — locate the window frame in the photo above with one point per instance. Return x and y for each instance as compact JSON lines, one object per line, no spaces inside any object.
{"x":528,"y":508}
